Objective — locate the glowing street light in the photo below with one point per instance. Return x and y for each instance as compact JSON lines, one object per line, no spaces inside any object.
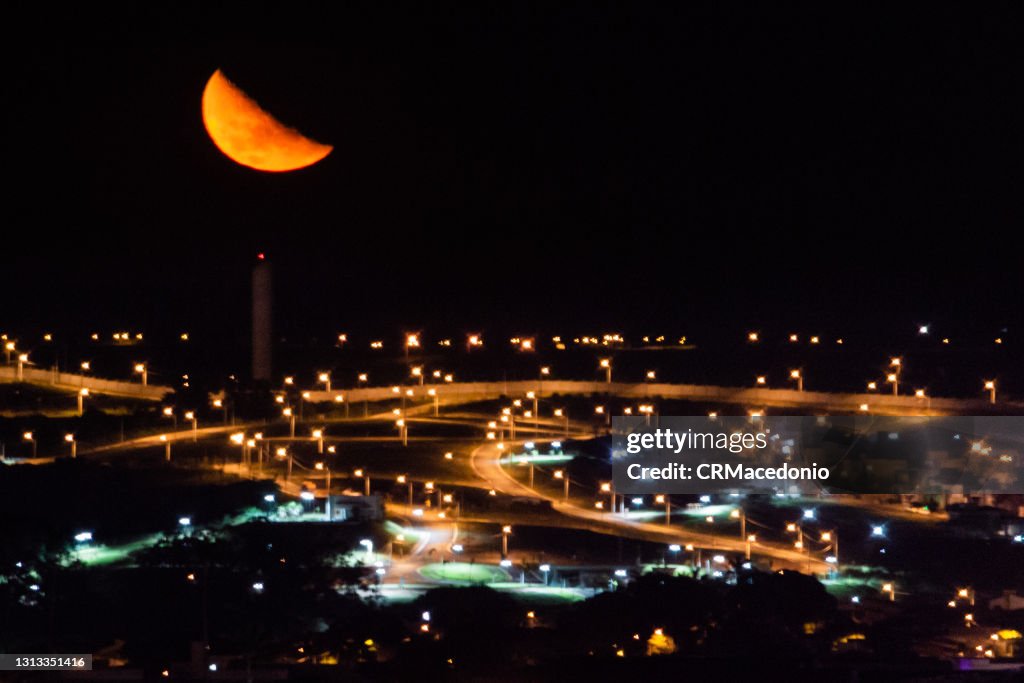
{"x":403,"y":479}
{"x":663,"y":499}
{"x":82,"y":394}
{"x":70,"y":439}
{"x":365,"y":476}
{"x":290,"y":414}
{"x":325,"y":379}
{"x":894,"y":379}
{"x":799,"y":377}
{"x":318,"y":434}
{"x":990,"y":387}
{"x":606,"y":364}
{"x":890,"y":589}
{"x":506,"y":531}
{"x":167,"y":447}
{"x":560,"y":474}
{"x":30,"y":437}
{"x":609,"y":488}
{"x":141,"y":369}
{"x":191,"y":415}
{"x":403,"y":431}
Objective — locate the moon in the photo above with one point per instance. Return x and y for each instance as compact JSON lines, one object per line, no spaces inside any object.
{"x":250,"y":136}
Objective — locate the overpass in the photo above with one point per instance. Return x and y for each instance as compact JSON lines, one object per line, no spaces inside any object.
{"x":73,"y":383}
{"x":455,"y":393}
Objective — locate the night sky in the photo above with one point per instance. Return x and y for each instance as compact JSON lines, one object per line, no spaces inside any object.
{"x":531,"y":168}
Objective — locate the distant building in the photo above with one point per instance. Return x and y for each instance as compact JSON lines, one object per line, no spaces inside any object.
{"x":262,"y":319}
{"x":346,"y":508}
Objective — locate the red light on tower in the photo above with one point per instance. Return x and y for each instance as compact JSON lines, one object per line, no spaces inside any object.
{"x":261,"y":256}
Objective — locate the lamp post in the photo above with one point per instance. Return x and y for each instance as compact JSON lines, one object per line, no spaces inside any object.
{"x":894,"y":376}
{"x":739,"y":514}
{"x":325,"y":379}
{"x":799,"y":377}
{"x":168,"y":411}
{"x":167,"y":447}
{"x":70,"y":439}
{"x":560,"y":474}
{"x":31,"y":438}
{"x":833,"y":538}
{"x":191,"y":415}
{"x":327,"y":503}
{"x":403,"y":479}
{"x":82,"y":393}
{"x":22,"y":359}
{"x":218,"y":403}
{"x":661,"y":498}
{"x":141,"y":369}
{"x":403,"y":431}
{"x":432,"y":392}
{"x":8,"y":350}
{"x":560,"y":412}
{"x":290,"y":414}
{"x":990,"y":387}
{"x":361,"y":474}
{"x":506,"y":531}
{"x":318,"y":434}
{"x":606,"y":365}
{"x":362,"y":379}
{"x":606,"y":487}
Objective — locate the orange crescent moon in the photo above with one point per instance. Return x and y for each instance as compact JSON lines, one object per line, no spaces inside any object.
{"x":249,"y":135}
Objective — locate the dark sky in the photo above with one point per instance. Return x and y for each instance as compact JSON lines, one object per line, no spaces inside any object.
{"x":536,"y":167}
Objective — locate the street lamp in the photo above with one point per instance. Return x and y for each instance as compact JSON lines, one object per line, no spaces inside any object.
{"x":361,"y":474}
{"x":606,"y":364}
{"x":663,"y":499}
{"x":168,"y":411}
{"x":432,"y":392}
{"x":799,"y":377}
{"x":82,"y":394}
{"x":141,"y":369}
{"x":70,"y":439}
{"x":290,"y":414}
{"x":167,"y":447}
{"x":833,"y":538}
{"x":403,"y":479}
{"x":22,"y":359}
{"x":894,"y":379}
{"x":990,"y":387}
{"x":191,"y":415}
{"x":506,"y":531}
{"x":417,"y":372}
{"x":606,"y":487}
{"x":560,"y":474}
{"x":325,"y":379}
{"x":30,"y":437}
{"x":403,"y":431}
{"x":327,"y":505}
